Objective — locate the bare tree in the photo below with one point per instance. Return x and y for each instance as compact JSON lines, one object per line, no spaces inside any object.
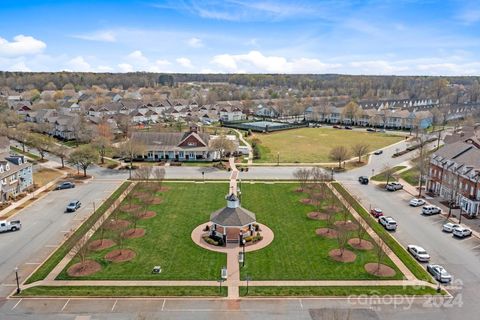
{"x":158,"y":174}
{"x":360,"y":150}
{"x":223,"y":145}
{"x":340,"y":154}
{"x":81,"y":249}
{"x":303,"y":176}
{"x":388,"y":172}
{"x":62,"y":152}
{"x":130,"y":149}
{"x":342,"y":238}
{"x":421,"y":161}
{"x":380,"y":251}
{"x":361,"y":230}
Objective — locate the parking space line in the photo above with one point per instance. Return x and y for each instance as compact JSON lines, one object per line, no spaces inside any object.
{"x":301,"y":304}
{"x":477,"y":246}
{"x":65,"y":305}
{"x":113,"y":307}
{"x":51,"y":246}
{"x":33,"y":263}
{"x":16,"y":304}
{"x":163,"y":304}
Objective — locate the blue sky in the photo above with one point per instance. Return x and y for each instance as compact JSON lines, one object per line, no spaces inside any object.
{"x":403,"y":37}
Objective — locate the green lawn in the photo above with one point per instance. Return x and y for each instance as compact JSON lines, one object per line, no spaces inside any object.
{"x":167,"y":241}
{"x":417,"y":269}
{"x":382,"y":177}
{"x":412,"y":176}
{"x":295,"y":253}
{"x":314,"y":144}
{"x":26,"y":153}
{"x":338,"y":291}
{"x":121,"y":291}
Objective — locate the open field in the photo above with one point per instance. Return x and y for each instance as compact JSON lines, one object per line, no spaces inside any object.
{"x":314,"y":144}
{"x":296,"y":252}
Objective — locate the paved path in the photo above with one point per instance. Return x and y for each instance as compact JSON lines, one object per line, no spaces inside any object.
{"x":233,"y":176}
{"x":250,"y":150}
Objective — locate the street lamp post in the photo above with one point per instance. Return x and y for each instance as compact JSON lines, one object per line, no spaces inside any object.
{"x":18,"y":283}
{"x":278,"y":158}
{"x":331,"y":175}
{"x":203,"y":176}
{"x":373,"y":172}
{"x":243,"y":250}
{"x":247,"y":278}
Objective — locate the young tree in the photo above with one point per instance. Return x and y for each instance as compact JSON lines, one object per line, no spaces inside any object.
{"x":342,"y":238}
{"x":360,"y":149}
{"x":101,"y":144}
{"x":340,"y":154}
{"x":303,"y":176}
{"x":130,"y":149}
{"x":223,"y":145}
{"x":81,"y":249}
{"x":83,"y":156}
{"x":158,"y":174}
{"x":361,"y":230}
{"x":380,"y":251}
{"x":62,"y":152}
{"x":421,"y":162}
{"x":388,"y":172}
{"x":42,"y":143}
{"x":23,"y":134}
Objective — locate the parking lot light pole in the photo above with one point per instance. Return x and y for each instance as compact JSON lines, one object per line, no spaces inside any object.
{"x":18,"y":283}
{"x":244,"y":257}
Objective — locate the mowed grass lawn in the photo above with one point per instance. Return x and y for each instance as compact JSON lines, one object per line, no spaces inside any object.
{"x":314,"y":144}
{"x":296,"y":252}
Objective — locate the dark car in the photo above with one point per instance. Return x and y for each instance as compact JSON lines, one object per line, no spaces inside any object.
{"x":348,"y":128}
{"x":65,"y":185}
{"x":363,"y":180}
{"x":73,"y":206}
{"x":371,"y":130}
{"x":337,"y":127}
{"x":378,"y":152}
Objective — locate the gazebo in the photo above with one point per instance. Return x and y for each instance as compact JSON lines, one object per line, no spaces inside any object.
{"x":232,"y":223}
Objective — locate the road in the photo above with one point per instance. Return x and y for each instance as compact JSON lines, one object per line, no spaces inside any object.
{"x":44,"y":226}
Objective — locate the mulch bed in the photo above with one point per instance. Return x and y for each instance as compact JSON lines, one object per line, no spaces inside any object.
{"x":346,"y":225}
{"x":309,"y":201}
{"x":84,"y":269}
{"x":156,"y":200}
{"x":117,"y":224}
{"x":130,"y":208}
{"x":315,"y":215}
{"x":98,"y":245}
{"x":332,"y":210}
{"x":327,"y":233}
{"x":148,"y":215}
{"x":299,"y":190}
{"x":383,"y":271}
{"x":347,"y":256}
{"x":120,"y":255}
{"x":134,"y":233}
{"x":363,"y":245}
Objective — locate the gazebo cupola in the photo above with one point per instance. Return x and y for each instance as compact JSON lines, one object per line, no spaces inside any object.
{"x":232,"y":201}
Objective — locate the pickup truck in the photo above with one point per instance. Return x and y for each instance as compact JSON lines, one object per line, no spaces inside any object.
{"x":13,"y":225}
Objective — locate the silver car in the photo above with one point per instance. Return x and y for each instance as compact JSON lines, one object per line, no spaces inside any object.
{"x":439,"y":273}
{"x":418,"y":253}
{"x":448,"y":227}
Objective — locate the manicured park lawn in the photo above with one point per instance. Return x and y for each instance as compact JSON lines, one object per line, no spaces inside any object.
{"x":314,"y":144}
{"x":296,"y":252}
{"x":412,"y":176}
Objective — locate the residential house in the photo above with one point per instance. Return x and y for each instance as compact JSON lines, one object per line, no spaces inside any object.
{"x":266,"y":112}
{"x":16,"y":174}
{"x":454,"y":174}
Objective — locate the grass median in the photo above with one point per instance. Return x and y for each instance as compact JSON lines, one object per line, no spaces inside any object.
{"x":401,"y":253}
{"x":336,"y":291}
{"x":123,"y":291}
{"x":58,"y":255}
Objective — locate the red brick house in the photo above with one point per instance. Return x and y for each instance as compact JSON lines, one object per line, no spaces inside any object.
{"x":454,"y":174}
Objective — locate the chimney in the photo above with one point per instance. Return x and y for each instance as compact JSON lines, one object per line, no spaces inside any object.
{"x":193,"y":128}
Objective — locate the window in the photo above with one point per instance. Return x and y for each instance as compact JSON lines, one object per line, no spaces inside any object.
{"x":192,"y":144}
{"x":7,"y":167}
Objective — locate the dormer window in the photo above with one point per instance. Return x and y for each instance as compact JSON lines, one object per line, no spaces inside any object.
{"x":192,"y":144}
{"x":7,"y":167}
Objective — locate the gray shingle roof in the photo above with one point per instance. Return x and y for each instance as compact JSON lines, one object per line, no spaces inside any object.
{"x":232,"y":217}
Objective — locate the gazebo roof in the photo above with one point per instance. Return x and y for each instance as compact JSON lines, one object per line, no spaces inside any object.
{"x":232,"y":217}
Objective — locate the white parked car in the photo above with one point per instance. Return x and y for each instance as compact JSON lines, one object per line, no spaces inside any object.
{"x":462,"y":232}
{"x":417,"y":202}
{"x":439,"y":273}
{"x":418,"y":253}
{"x":448,"y":227}
{"x":393,"y":186}
{"x":430,"y":210}
{"x":388,"y":223}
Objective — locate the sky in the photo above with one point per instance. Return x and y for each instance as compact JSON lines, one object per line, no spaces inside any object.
{"x":371,"y":37}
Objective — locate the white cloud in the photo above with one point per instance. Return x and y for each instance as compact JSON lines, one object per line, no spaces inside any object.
{"x":79,"y":64}
{"x":104,"y":69}
{"x":195,"y":42}
{"x":101,"y":35}
{"x":256,"y":62}
{"x":184,"y":62}
{"x":20,"y":66}
{"x":125,"y":67}
{"x":469,"y":16}
{"x":20,"y":46}
{"x":138,"y":57}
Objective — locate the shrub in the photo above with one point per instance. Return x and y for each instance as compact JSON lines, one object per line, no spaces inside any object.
{"x":210,"y":241}
{"x":112,"y":165}
{"x":248,"y":239}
